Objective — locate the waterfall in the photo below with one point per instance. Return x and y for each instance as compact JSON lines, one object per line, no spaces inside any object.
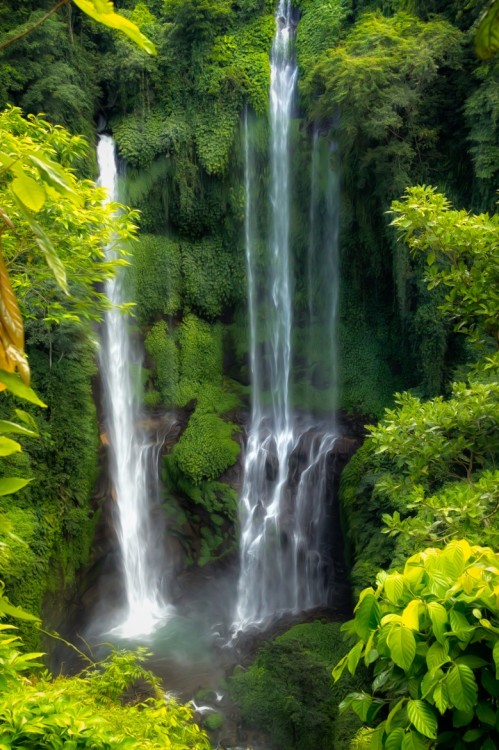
{"x":134,"y":455}
{"x":285,"y":500}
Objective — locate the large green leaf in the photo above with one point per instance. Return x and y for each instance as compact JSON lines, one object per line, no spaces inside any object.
{"x":402,"y":645}
{"x":413,"y":741}
{"x":16,"y":429}
{"x":16,"y":386}
{"x":367,"y":614}
{"x":423,"y":718}
{"x":9,"y":485}
{"x":394,"y":739}
{"x":30,"y":193}
{"x":8,"y":446}
{"x":461,"y":687}
{"x":439,"y":620}
{"x":487,"y":35}
{"x":394,"y":587}
{"x":6,"y":608}
{"x":103,"y":12}
{"x":358,"y":702}
{"x":495,"y":654}
{"x":354,"y":657}
{"x":437,"y":655}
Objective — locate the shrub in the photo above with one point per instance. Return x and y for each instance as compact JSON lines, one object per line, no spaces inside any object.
{"x":431,"y":637}
{"x":205,"y":449}
{"x":288,"y":690}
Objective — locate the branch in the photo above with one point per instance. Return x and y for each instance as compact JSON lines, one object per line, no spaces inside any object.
{"x":34,"y":26}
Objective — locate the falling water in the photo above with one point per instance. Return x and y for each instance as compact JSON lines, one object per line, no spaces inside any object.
{"x":134,"y":457}
{"x":285,"y":499}
{"x":322,"y":272}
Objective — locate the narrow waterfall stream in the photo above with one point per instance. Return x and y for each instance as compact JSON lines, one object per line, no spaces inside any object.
{"x":284,"y":510}
{"x":133,"y":456}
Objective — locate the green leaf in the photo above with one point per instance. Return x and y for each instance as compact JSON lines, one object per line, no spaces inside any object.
{"x":30,"y":193}
{"x":367,"y":614}
{"x":394,"y":711}
{"x":486,"y":714}
{"x":471,"y":661}
{"x":360,"y":703}
{"x":495,"y":654}
{"x":8,"y":446}
{"x":437,"y":655}
{"x":441,"y":698}
{"x":14,"y":428}
{"x":9,"y":485}
{"x":422,"y":716}
{"x":103,"y":12}
{"x":487,"y":35}
{"x":394,"y":739}
{"x":472,"y":735}
{"x":462,"y":718}
{"x":394,"y":587}
{"x":6,"y":608}
{"x":354,"y":657}
{"x":339,"y":668}
{"x":461,"y":687}
{"x":45,"y":244}
{"x":402,"y":645}
{"x":439,"y":620}
{"x":413,"y":741}
{"x":490,"y":683}
{"x":16,"y":386}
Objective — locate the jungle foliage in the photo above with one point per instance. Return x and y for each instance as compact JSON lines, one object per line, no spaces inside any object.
{"x":430,"y":635}
{"x":288,"y":691}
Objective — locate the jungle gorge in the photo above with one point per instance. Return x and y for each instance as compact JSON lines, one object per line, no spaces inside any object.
{"x":249,"y":330}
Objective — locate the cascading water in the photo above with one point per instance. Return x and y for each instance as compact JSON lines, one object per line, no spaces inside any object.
{"x":285,"y":563}
{"x":134,"y":456}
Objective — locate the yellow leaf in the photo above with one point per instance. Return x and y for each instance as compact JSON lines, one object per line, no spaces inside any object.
{"x":103,"y":12}
{"x":410,"y":615}
{"x":12,"y":355}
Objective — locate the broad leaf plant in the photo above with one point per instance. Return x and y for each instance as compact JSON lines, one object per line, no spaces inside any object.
{"x":430,"y":635}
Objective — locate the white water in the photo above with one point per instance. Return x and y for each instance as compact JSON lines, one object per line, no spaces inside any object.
{"x":285,"y":564}
{"x":134,"y":456}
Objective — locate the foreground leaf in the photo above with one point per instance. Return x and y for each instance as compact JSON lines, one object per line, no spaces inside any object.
{"x":103,"y":12}
{"x":487,"y":36}
{"x":15,"y":385}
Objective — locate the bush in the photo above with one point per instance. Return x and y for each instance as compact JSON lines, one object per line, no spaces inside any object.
{"x":288,"y":691}
{"x":431,"y":638}
{"x":93,"y":709}
{"x":205,"y":449}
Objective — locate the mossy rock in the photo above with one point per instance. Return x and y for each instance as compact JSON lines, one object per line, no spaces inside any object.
{"x":214,"y":721}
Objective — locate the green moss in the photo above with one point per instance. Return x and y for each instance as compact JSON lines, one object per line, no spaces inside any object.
{"x":205,"y":449}
{"x":157,"y":276}
{"x":51,"y":517}
{"x":161,"y":346}
{"x":288,"y":691}
{"x":200,"y":346}
{"x":214,"y":721}
{"x":140,"y":139}
{"x":212,"y":276}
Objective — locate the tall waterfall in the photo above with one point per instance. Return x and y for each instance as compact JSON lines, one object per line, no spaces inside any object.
{"x":134,"y":455}
{"x":284,"y":510}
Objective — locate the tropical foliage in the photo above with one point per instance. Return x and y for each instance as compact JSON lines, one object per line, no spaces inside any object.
{"x":430,"y":634}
